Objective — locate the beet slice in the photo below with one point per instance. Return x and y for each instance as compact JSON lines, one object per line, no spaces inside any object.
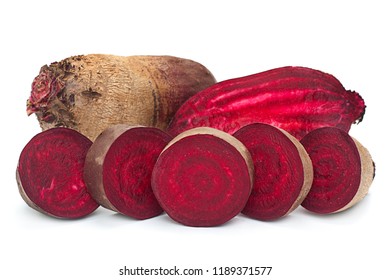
{"x":50,"y":174}
{"x":203,"y":177}
{"x":283,"y":172}
{"x":118,"y":169}
{"x":343,"y":170}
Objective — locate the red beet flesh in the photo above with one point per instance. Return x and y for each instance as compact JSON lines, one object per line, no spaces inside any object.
{"x":50,"y":174}
{"x":296,"y":99}
{"x":119,"y":167}
{"x":202,"y":180}
{"x":337,"y":170}
{"x":282,"y":171}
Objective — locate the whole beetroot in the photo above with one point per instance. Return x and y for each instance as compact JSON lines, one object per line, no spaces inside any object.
{"x":89,"y":93}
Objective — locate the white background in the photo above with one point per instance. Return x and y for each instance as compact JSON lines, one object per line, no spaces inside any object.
{"x":348,"y":39}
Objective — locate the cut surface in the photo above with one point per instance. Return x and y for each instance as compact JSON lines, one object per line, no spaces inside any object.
{"x":282,"y":171}
{"x":203,"y":178}
{"x":296,"y":99}
{"x":337,"y":170}
{"x":119,"y":167}
{"x":50,"y":174}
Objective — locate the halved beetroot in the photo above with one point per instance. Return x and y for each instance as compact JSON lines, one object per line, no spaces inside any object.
{"x":283,"y":172}
{"x":343,"y":170}
{"x":203,"y":177}
{"x":118,"y":169}
{"x":50,"y":174}
{"x":296,"y":99}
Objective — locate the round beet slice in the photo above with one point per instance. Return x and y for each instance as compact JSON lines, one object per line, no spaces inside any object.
{"x":50,"y":174}
{"x":343,"y":170}
{"x":283,"y":172}
{"x":203,"y":177}
{"x":119,"y":166}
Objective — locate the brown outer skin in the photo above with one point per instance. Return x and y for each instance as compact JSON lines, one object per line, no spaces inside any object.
{"x":102,"y":90}
{"x":93,"y":167}
{"x":224,"y":136}
{"x":307,"y":171}
{"x":367,"y":175}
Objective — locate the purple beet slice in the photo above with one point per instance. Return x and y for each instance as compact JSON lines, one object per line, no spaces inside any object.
{"x":283,"y":172}
{"x":50,"y":174}
{"x":343,"y":170}
{"x":119,"y":166}
{"x":203,"y":177}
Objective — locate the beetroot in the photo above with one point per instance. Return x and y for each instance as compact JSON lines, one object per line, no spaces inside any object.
{"x":50,"y":174}
{"x":89,"y":93}
{"x":203,"y":177}
{"x":343,"y":170}
{"x":118,"y":169}
{"x":283,"y":172}
{"x":296,"y":99}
